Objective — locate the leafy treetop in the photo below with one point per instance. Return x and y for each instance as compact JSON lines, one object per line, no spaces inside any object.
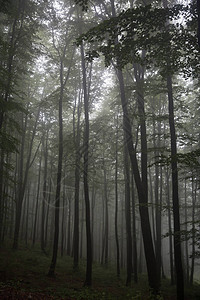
{"x":169,"y":43}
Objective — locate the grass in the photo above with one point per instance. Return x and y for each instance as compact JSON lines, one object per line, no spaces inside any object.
{"x":23,"y":273}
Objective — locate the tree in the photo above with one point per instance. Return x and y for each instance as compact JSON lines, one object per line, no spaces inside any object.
{"x":63,"y":78}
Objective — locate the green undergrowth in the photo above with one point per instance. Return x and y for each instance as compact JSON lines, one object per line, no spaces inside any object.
{"x":26,"y":270}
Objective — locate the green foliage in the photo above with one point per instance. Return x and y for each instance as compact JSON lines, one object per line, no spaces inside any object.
{"x":168,"y":44}
{"x":189,"y":159}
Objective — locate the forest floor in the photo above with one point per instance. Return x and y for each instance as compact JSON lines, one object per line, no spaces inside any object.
{"x":23,"y":275}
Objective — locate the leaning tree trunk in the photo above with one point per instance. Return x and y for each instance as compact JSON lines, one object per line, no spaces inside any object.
{"x":141,"y":181}
{"x":142,"y":193}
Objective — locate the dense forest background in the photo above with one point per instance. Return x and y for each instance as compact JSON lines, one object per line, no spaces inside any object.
{"x":99,"y":135}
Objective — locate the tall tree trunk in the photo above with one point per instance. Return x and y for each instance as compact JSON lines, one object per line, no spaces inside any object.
{"x":141,"y":182}
{"x":186,"y":236}
{"x":116,"y":201}
{"x":27,"y":215}
{"x":47,"y":215}
{"x":135,"y":268}
{"x":128,"y":215}
{"x":88,"y":279}
{"x":106,"y":213}
{"x":69,"y":226}
{"x":37,"y":202}
{"x":170,"y":227}
{"x":194,"y":196}
{"x":59,"y":174}
{"x":142,"y":192}
{"x":77,"y":184}
{"x":23,"y":176}
{"x":44,"y":194}
{"x":157,"y":202}
{"x":175,"y":196}
{"x":63,"y":222}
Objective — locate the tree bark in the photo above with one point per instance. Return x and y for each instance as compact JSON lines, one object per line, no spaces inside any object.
{"x":77,"y":184}
{"x":135,"y":267}
{"x":116,"y":202}
{"x":51,"y":272}
{"x":175,"y":196}
{"x":88,"y":279}
{"x":128,"y":215}
{"x":23,"y":177}
{"x":142,"y":192}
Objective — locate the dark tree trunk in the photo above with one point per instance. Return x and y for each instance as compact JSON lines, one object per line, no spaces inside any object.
{"x":116,"y":202}
{"x":141,"y":185}
{"x":23,"y":176}
{"x":77,"y":185}
{"x":175,"y":196}
{"x":194,"y":196}
{"x":135,"y":268}
{"x":128,"y":215}
{"x":186,"y":236}
{"x":44,"y":194}
{"x":106,"y":215}
{"x":170,"y":228}
{"x":69,"y":226}
{"x":59,"y":174}
{"x":63,"y":80}
{"x":47,"y":215}
{"x":157,"y":203}
{"x":88,"y":279}
{"x":37,"y":201}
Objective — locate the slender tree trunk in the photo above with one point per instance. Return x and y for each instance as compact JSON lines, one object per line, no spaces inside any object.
{"x":27,"y":215}
{"x":103,"y":232}
{"x":122,"y":234}
{"x":106,"y":214}
{"x":135,"y":268}
{"x":170,"y":229}
{"x":128,"y":215}
{"x":23,"y":177}
{"x":116,"y":202}
{"x":186,"y":236}
{"x":69,"y":226}
{"x":1,"y":192}
{"x":44,"y":196}
{"x":37,"y":202}
{"x":157,"y":203}
{"x":82,"y":222}
{"x":194,"y":196}
{"x":59,"y":175}
{"x":77,"y":186}
{"x":63,"y":222}
{"x":152,"y":207}
{"x":88,"y":279}
{"x":142,"y":191}
{"x":47,"y":215}
{"x":175,"y":196}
